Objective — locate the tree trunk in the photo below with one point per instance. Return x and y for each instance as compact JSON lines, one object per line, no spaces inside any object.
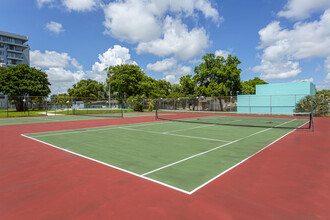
{"x":221,"y":106}
{"x":19,"y":104}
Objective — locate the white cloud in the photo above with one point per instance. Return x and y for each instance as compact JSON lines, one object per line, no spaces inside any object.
{"x":327,"y":79}
{"x":131,"y":21}
{"x":161,"y":66}
{"x":277,"y":70}
{"x":62,"y":79}
{"x":113,"y":56}
{"x":301,"y":9}
{"x":52,"y":59}
{"x":304,"y":80}
{"x":80,"y":5}
{"x":177,"y":40}
{"x":283,"y":48}
{"x":327,"y":64}
{"x":171,"y":70}
{"x":41,"y":3}
{"x":150,"y":24}
{"x":71,"y":5}
{"x":143,"y":20}
{"x":54,"y":27}
{"x":57,"y":66}
{"x":173,"y":79}
{"x":222,"y":53}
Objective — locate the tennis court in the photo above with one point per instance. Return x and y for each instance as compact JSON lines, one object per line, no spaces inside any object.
{"x":183,"y":151}
{"x":78,"y":117}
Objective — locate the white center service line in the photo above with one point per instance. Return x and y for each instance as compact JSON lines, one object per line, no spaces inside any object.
{"x":213,"y":149}
{"x":179,"y":135}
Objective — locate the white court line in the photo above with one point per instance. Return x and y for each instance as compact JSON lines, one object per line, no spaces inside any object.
{"x":179,"y":135}
{"x":161,"y":183}
{"x":213,"y":149}
{"x":112,"y":166}
{"x":92,"y":130}
{"x":50,"y":119}
{"x":201,"y":126}
{"x":204,"y":184}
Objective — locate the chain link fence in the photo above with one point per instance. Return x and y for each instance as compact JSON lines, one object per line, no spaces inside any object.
{"x":21,"y":106}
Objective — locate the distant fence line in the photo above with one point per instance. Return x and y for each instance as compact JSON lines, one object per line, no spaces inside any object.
{"x":38,"y":105}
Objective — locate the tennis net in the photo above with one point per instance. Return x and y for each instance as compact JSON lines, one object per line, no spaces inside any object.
{"x":100,"y":112}
{"x":265,"y":120}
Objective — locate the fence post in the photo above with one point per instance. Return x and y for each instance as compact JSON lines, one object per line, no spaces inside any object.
{"x":270,"y":103}
{"x":7,"y":105}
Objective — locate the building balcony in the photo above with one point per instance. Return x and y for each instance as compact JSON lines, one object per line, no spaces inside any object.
{"x":14,"y":44}
{"x":15,"y":58}
{"x":15,"y":51}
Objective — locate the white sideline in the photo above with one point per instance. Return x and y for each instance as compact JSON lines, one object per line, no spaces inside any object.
{"x":171,"y":164}
{"x":230,"y":168}
{"x":112,"y":166}
{"x":164,"y":184}
{"x":92,"y":130}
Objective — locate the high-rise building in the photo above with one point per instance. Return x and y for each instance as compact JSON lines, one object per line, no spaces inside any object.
{"x":13,"y":49}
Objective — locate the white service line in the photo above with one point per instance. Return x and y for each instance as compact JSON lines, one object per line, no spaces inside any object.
{"x":179,"y":135}
{"x":213,"y":149}
{"x":201,"y":126}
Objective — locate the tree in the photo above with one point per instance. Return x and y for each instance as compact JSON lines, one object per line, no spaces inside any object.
{"x":217,"y":76}
{"x":249,"y":87}
{"x":22,"y":81}
{"x":188,"y":86}
{"x":87,"y":88}
{"x":125,"y":80}
{"x":310,"y":103}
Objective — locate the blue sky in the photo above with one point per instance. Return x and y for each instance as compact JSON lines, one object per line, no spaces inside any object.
{"x":278,"y":41}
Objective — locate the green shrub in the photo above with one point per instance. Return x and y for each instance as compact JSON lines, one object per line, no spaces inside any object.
{"x":310,"y":104}
{"x":151,"y":105}
{"x":138,"y":106}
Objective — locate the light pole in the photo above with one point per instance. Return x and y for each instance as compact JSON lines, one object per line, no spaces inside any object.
{"x":109,"y":75}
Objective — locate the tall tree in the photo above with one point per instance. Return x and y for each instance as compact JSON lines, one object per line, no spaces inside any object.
{"x":87,"y":88}
{"x":22,"y":81}
{"x":249,"y":87}
{"x":217,"y":76}
{"x":125,"y":80}
{"x":188,"y":86}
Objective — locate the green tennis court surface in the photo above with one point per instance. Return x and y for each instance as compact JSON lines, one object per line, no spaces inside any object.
{"x":181,"y":155}
{"x":58,"y":118}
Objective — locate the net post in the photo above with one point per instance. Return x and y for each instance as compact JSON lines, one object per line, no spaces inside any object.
{"x":46,"y":108}
{"x":122,"y":111}
{"x":7,"y":105}
{"x":156,"y":108}
{"x":312,"y":121}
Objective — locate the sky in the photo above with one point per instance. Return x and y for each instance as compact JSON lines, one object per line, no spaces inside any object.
{"x":278,"y":41}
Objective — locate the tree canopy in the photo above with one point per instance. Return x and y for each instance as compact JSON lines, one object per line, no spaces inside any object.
{"x":87,"y":88}
{"x":21,"y":81}
{"x":249,"y":87}
{"x":129,"y":81}
{"x":217,"y":76}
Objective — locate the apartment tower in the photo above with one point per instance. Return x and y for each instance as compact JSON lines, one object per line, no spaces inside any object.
{"x":13,"y":49}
